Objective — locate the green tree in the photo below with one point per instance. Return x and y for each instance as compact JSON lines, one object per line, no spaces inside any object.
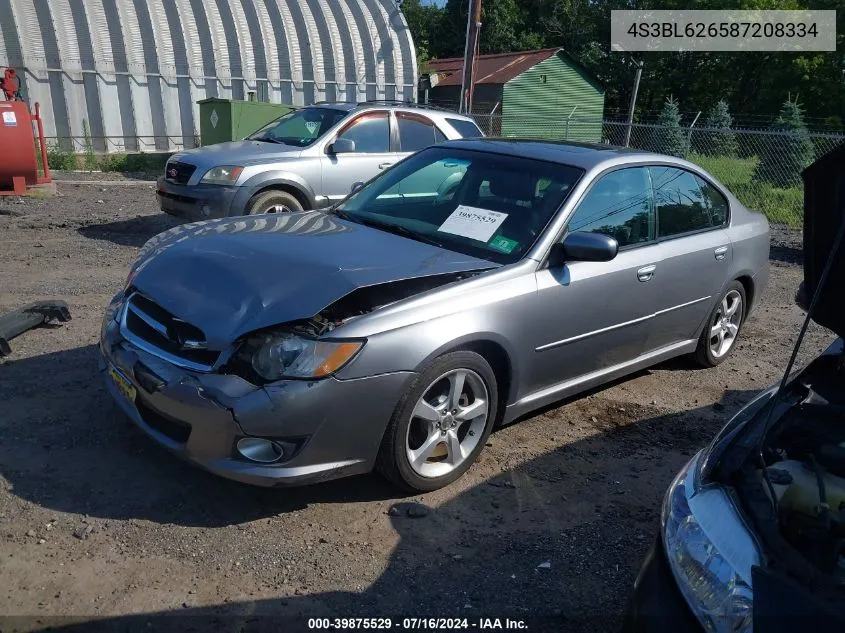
{"x":785,"y":154}
{"x":713,"y":141}
{"x":754,"y":84}
{"x":424,"y":22}
{"x":668,"y":137}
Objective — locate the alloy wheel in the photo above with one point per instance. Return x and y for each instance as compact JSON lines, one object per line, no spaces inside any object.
{"x":447,"y":423}
{"x":725,"y":326}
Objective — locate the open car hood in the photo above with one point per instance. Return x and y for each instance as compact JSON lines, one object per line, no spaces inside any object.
{"x":824,"y":210}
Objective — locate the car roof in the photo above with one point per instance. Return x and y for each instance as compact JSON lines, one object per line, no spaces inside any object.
{"x":584,"y":155}
{"x":349,"y":106}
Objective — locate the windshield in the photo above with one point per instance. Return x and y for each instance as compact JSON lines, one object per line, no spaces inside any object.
{"x":299,"y":127}
{"x":484,"y":205}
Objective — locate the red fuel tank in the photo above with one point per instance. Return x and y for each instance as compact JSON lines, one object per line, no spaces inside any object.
{"x":17,"y":144}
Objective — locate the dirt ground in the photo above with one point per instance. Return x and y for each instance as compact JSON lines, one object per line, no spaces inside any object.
{"x":96,"y":520}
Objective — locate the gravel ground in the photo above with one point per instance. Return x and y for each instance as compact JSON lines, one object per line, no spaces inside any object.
{"x":98,"y":521}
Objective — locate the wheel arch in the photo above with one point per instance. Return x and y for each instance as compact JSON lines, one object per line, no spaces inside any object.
{"x":747,"y":282}
{"x":289,"y":183}
{"x":286,"y":188}
{"x":497,"y":353}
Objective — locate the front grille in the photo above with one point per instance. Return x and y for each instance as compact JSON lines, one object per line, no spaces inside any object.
{"x":157,"y":331}
{"x":174,"y":429}
{"x":178,"y":172}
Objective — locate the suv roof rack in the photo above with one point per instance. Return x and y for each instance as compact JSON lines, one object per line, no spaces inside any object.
{"x":395,"y":102}
{"x":410,"y":104}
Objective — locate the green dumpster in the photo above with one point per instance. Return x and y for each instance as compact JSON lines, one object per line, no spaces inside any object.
{"x":226,"y":120}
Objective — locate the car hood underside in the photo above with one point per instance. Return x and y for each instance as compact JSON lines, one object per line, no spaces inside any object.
{"x":824,"y":211}
{"x":233,"y":276}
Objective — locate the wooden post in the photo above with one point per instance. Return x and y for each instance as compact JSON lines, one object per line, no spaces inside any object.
{"x":470,"y":52}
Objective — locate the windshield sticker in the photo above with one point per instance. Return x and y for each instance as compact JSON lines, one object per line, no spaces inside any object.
{"x":472,"y":222}
{"x":503,"y":244}
{"x":312,"y":126}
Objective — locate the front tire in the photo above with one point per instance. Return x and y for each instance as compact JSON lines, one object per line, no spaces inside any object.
{"x":721,"y":330}
{"x":441,"y":423}
{"x":273,"y":201}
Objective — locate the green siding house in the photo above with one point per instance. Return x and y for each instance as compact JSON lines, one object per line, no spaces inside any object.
{"x":537,"y":94}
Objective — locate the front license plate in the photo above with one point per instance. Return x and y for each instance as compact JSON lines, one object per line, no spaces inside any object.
{"x":123,"y":385}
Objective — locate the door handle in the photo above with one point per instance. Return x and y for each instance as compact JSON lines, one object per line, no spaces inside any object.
{"x":721,"y":252}
{"x":384,"y":165}
{"x":646,"y":272}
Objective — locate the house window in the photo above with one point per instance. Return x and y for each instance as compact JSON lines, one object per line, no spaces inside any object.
{"x":543,"y":79}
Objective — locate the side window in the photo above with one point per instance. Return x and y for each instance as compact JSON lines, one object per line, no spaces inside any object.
{"x":467,"y":129}
{"x":715,"y":202}
{"x":681,"y":206}
{"x":370,"y":133}
{"x":439,"y":137}
{"x":618,"y":205}
{"x":435,"y":182}
{"x":414,"y":133}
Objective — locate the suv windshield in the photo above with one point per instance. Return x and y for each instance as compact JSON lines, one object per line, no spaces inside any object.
{"x":485,"y":205}
{"x":300,"y":127}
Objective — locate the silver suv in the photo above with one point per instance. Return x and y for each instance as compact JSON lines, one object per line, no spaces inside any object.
{"x":308,"y":159}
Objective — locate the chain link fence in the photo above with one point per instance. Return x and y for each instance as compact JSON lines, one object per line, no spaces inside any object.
{"x":762,"y":167}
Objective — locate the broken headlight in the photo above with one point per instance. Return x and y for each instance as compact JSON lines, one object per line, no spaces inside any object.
{"x":288,"y":355}
{"x":710,"y":551}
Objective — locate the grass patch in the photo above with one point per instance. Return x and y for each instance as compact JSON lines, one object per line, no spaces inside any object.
{"x":60,"y":158}
{"x":63,"y":159}
{"x":782,"y":205}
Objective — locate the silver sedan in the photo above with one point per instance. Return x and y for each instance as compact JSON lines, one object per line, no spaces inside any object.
{"x":466,"y":286}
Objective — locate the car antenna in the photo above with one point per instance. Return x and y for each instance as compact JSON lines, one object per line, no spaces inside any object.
{"x":837,"y":244}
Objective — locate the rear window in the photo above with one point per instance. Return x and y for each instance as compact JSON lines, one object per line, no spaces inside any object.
{"x":467,"y":129}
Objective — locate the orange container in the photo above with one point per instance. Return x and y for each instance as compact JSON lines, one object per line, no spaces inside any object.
{"x":17,"y":144}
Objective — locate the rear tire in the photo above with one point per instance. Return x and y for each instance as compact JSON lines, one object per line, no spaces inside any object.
{"x":444,"y":418}
{"x":273,"y":201}
{"x":721,"y":331}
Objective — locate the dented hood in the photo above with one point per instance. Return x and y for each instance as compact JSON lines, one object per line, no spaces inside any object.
{"x":824,"y":210}
{"x":235,"y":275}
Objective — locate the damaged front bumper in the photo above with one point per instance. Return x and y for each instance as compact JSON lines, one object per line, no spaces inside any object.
{"x":329,"y":428}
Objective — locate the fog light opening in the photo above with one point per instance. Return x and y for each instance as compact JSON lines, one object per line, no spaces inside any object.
{"x":257,"y":449}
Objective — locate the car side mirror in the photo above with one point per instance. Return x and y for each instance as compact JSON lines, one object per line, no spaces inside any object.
{"x":585,"y":247}
{"x":356,"y":186}
{"x":341,"y":146}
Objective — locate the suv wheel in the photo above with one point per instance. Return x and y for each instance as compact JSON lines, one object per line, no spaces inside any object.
{"x":273,"y":201}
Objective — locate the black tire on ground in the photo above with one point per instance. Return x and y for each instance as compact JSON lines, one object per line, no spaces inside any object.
{"x":273,"y":201}
{"x":392,"y":461}
{"x":704,"y":354}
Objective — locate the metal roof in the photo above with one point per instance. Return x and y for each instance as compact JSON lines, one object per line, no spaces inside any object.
{"x":133,"y":70}
{"x":490,"y":69}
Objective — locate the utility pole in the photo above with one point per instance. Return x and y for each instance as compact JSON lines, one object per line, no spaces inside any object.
{"x":633,"y":102}
{"x":470,"y":51}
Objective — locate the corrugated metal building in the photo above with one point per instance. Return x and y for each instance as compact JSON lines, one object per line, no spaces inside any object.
{"x":133,"y":70}
{"x":532,"y":93}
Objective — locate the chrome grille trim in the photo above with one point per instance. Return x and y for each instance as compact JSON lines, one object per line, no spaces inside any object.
{"x":146,"y":318}
{"x":159,"y":327}
{"x":153,"y":349}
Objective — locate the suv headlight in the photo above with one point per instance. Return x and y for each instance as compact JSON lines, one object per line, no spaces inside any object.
{"x":222,"y":175}
{"x":288,"y":355}
{"x":710,"y":551}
